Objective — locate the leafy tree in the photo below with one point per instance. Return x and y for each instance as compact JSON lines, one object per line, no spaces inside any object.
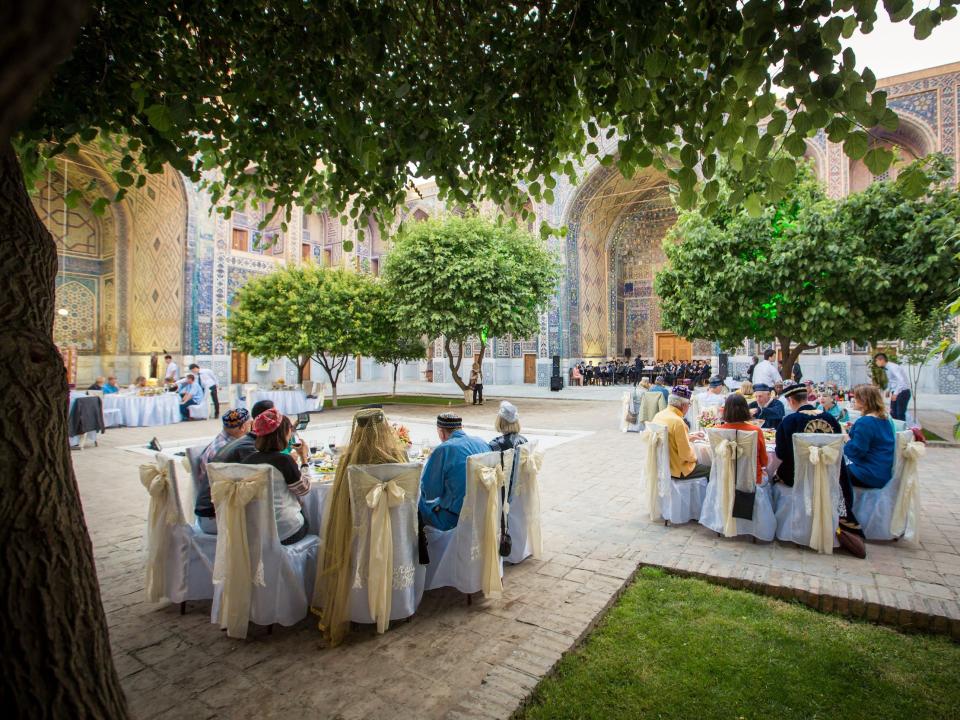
{"x":470,"y":93}
{"x":920,"y":337}
{"x":811,"y":271}
{"x":469,"y":276}
{"x":392,"y":342}
{"x":267,"y":319}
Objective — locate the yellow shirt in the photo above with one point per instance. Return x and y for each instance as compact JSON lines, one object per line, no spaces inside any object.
{"x":682,"y":457}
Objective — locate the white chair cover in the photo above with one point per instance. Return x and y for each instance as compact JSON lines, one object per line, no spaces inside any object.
{"x":874,"y":508}
{"x":201,"y":411}
{"x":680,"y":500}
{"x":467,"y":557}
{"x":247,"y":389}
{"x":385,"y":564}
{"x":524,"y":507}
{"x":179,"y":557}
{"x":693,"y":413}
{"x":630,"y":406}
{"x":256,"y":579}
{"x":808,"y":513}
{"x":655,"y":475}
{"x":651,"y":402}
{"x":735,"y":467}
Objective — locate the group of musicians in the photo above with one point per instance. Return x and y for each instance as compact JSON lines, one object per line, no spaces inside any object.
{"x":622,"y":372}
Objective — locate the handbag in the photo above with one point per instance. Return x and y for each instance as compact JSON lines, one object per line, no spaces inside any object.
{"x":742,"y":500}
{"x":506,"y":542}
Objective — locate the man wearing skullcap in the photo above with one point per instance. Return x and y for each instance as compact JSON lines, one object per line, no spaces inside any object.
{"x":235,"y":425}
{"x":683,"y":460}
{"x":444,"y":480}
{"x":236,"y":451}
{"x":765,"y":407}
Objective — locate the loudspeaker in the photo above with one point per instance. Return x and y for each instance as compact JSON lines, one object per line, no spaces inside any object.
{"x":556,"y":366}
{"x":627,"y":352}
{"x":556,"y":383}
{"x":723,"y":366}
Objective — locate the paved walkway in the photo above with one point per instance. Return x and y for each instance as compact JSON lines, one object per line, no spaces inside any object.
{"x":452,"y":660}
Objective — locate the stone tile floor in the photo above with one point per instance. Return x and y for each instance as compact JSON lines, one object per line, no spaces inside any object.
{"x":452,"y":660}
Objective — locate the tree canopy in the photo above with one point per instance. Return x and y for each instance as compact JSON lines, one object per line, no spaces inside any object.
{"x":331,"y":104}
{"x":812,"y":271}
{"x":469,"y":276}
{"x":392,"y":340}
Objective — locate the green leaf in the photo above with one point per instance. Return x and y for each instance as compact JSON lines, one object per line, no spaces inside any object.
{"x":856,"y":144}
{"x":753,"y":205}
{"x":348,"y":245}
{"x":159,"y":117}
{"x":783,"y":169}
{"x":124,"y":179}
{"x":878,"y":160}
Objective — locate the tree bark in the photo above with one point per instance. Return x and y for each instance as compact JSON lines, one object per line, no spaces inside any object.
{"x":396,"y":366}
{"x":35,"y":37}
{"x":56,"y":660}
{"x":455,"y":369}
{"x":791,"y":355}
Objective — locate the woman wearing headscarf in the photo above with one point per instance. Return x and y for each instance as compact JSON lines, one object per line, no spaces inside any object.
{"x":372,"y":442}
{"x":508,"y":425}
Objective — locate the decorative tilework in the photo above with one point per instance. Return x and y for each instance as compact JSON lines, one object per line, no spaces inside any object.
{"x":543,"y":374}
{"x":949,"y":379}
{"x":838,"y":371}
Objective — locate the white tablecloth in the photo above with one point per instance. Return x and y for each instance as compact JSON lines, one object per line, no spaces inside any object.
{"x":140,"y":411}
{"x":314,"y":502}
{"x":289,"y":402}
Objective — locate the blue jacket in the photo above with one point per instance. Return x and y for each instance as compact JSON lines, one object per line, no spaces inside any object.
{"x":870,"y":451}
{"x":444,"y":480}
{"x":807,"y":419}
{"x":771,"y":415}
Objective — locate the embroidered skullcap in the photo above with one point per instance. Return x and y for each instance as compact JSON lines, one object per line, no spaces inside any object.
{"x":680,"y":391}
{"x":762,"y":387}
{"x":715,"y":381}
{"x":509,"y":412}
{"x":795,"y":390}
{"x":267,"y":422}
{"x":449,"y":420}
{"x":235,"y":418}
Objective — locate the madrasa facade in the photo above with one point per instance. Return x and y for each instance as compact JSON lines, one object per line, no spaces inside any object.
{"x":157,"y":272}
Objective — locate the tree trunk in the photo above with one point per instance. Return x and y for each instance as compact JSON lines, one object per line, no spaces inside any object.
{"x":791,"y":355}
{"x":455,"y":369}
{"x":396,"y":366}
{"x":55,"y":650}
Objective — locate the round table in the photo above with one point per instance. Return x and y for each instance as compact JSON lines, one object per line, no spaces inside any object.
{"x":288,"y":402}
{"x":145,"y":410}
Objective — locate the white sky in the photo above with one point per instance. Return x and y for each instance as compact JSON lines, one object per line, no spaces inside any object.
{"x":891,"y":48}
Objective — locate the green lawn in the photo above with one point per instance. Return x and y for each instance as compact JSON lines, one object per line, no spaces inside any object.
{"x":930,"y":435}
{"x":682,"y":648}
{"x":355,"y":400}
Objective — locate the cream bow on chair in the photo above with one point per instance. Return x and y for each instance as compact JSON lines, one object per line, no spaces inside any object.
{"x":163,"y":511}
{"x":822,"y":532}
{"x":492,"y":480}
{"x":651,"y":440}
{"x":233,"y":561}
{"x":726,"y":453}
{"x":906,"y":511}
{"x":530,"y":464}
{"x":380,"y":497}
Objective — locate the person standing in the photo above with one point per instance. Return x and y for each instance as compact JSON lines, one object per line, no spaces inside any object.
{"x":899,"y":385}
{"x":476,"y":382}
{"x":207,"y":381}
{"x":753,"y":366}
{"x":443,"y":483}
{"x":172,"y":372}
{"x":765,"y":372}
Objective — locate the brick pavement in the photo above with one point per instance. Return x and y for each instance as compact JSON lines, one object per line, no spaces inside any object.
{"x":456,"y":661}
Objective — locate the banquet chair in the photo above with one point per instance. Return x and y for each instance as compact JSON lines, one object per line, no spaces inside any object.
{"x":676,"y":501}
{"x":467,"y":557}
{"x":85,"y":417}
{"x":255,"y":578}
{"x":875,"y":508}
{"x":523,"y":509}
{"x":693,"y":413}
{"x":808,"y":513}
{"x":387,"y":577}
{"x":307,"y":387}
{"x":735,"y":468}
{"x":192,"y":457}
{"x":201,"y":411}
{"x":247,"y":389}
{"x":651,"y":402}
{"x":628,"y":424}
{"x":179,"y":556}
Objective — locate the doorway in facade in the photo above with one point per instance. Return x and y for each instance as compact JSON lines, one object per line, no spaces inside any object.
{"x":530,"y":369}
{"x":673,"y":347}
{"x":238,"y":367}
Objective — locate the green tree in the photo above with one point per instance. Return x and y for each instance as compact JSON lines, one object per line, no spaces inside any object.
{"x":393,"y":343}
{"x":267,"y":318}
{"x":469,"y":276}
{"x":811,"y":271}
{"x":920,"y":338}
{"x":470,"y":93}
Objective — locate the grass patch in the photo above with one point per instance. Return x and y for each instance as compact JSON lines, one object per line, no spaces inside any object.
{"x":355,"y":400}
{"x":931,"y":435}
{"x":683,"y":648}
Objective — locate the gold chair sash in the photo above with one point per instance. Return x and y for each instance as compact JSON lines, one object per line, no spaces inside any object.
{"x":727,"y":453}
{"x":906,"y":511}
{"x":651,"y":440}
{"x":163,"y":511}
{"x":531,"y":461}
{"x":491,"y":478}
{"x":380,"y":496}
{"x":822,"y":532}
{"x":233,"y":560}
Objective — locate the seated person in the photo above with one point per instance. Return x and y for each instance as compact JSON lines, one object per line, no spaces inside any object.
{"x":140,"y":382}
{"x":576,"y":376}
{"x":508,"y":425}
{"x":736,"y":416}
{"x":765,"y":407}
{"x":111,"y":386}
{"x":190,"y":394}
{"x":746,"y":389}
{"x":372,"y":442}
{"x":236,"y":423}
{"x":828,"y":403}
{"x":805,"y":418}
{"x":660,"y":386}
{"x":237,"y":450}
{"x":444,"y":480}
{"x":273,"y":432}
{"x":98,"y":383}
{"x":870,"y":450}
{"x":683,"y":460}
{"x":715,"y":395}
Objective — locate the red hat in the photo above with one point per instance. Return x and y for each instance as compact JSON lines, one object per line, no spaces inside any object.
{"x":266,"y":422}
